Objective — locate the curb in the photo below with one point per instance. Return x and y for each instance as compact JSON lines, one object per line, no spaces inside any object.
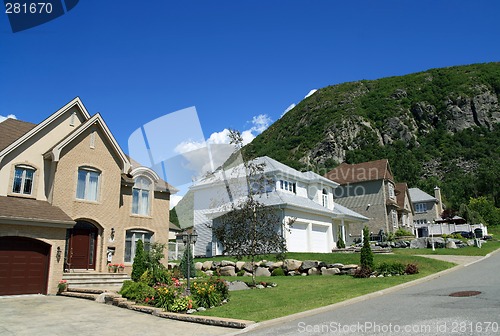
{"x":357,"y":299}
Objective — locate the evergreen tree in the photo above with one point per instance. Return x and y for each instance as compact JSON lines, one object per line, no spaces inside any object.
{"x":140,"y":264}
{"x":366,"y":259}
{"x":184,"y":265}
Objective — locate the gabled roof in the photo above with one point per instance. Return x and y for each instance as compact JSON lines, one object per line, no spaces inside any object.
{"x":403,"y":191}
{"x":25,"y":210}
{"x":418,"y":195}
{"x":75,"y":102}
{"x":13,"y":129}
{"x":95,"y":120}
{"x":361,"y":172}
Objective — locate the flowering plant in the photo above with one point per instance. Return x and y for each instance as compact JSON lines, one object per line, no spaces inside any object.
{"x":62,"y":285}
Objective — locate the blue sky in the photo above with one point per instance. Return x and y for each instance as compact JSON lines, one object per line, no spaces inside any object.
{"x":135,"y":61}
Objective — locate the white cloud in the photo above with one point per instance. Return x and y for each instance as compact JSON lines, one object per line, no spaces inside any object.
{"x":260,"y":123}
{"x":174,"y":199}
{"x":11,"y":116}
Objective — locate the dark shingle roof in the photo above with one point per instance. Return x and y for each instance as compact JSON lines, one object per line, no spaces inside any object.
{"x":32,"y":210}
{"x":366,"y":171}
{"x":13,"y":129}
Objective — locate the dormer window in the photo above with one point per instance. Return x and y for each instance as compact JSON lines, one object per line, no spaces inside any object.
{"x":23,"y":180}
{"x":391,"y":190}
{"x":288,"y":186}
{"x":324,"y":196}
{"x":140,"y":196}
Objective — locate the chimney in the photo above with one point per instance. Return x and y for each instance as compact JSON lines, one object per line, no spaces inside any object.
{"x":439,"y":202}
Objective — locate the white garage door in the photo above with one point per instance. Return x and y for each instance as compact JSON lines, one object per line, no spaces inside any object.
{"x":319,"y":238}
{"x":297,"y":241}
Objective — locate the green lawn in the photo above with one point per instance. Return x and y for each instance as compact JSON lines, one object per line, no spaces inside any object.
{"x":486,"y":248}
{"x":298,"y":293}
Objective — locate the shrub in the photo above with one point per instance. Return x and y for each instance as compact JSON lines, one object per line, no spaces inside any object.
{"x":391,"y":268}
{"x":184,"y":265}
{"x":209,"y":293}
{"x":362,"y":272}
{"x":278,"y":272}
{"x":181,"y":304}
{"x":137,"y":291}
{"x":366,"y":259}
{"x":139,"y":266}
{"x":165,"y":296}
{"x":411,"y":269}
{"x":340,"y":243}
{"x":402,"y":232}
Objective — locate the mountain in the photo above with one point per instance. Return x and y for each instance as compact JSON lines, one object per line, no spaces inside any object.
{"x":437,"y":127}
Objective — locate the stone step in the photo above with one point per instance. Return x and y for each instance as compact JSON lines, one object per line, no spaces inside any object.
{"x":84,"y":280}
{"x":86,"y":290}
{"x":87,"y":296}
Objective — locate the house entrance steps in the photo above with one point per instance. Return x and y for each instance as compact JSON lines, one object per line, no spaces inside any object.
{"x":95,"y":280}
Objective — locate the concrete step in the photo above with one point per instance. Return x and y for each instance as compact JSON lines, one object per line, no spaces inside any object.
{"x":112,"y":281}
{"x":87,"y":296}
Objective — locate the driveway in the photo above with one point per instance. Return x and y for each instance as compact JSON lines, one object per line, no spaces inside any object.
{"x":57,"y":315}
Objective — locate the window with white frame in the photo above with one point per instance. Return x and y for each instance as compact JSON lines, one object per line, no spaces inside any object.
{"x":394,"y":216}
{"x":420,"y":222}
{"x":420,"y":207}
{"x":131,"y":238}
{"x":141,"y":196}
{"x":88,"y":184}
{"x":24,"y":177}
{"x":391,"y":190}
{"x":324,"y":196}
{"x":288,"y":186}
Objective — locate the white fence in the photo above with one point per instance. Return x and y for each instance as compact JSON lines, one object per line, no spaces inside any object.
{"x":440,"y":229}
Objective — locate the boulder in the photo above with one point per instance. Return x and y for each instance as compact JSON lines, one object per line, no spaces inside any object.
{"x":239,"y":265}
{"x":350,"y":266}
{"x":228,"y":271}
{"x":262,"y":271}
{"x":291,"y":265}
{"x":419,"y":243}
{"x":270,"y":265}
{"x":313,"y":271}
{"x":451,"y":245}
{"x":336,"y":265}
{"x":209,"y":272}
{"x":248,"y":267}
{"x":275,"y":265}
{"x":237,"y":285}
{"x":216,"y":264}
{"x":292,"y":273}
{"x":260,"y":286}
{"x":248,"y":274}
{"x":207,"y":265}
{"x":227,"y":263}
{"x":308,"y":264}
{"x":438,"y":242}
{"x":198,"y":266}
{"x":329,"y":271}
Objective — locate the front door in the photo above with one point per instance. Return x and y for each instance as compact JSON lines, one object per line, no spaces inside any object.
{"x":81,"y":246}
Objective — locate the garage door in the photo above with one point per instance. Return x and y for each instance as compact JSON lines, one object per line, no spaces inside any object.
{"x":319,"y":238}
{"x":298,"y":238}
{"x":24,"y":266}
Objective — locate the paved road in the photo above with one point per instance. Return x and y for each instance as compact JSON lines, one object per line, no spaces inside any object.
{"x":57,"y":315}
{"x":423,"y":309}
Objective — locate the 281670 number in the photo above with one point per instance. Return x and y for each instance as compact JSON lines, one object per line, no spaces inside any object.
{"x":28,"y":8}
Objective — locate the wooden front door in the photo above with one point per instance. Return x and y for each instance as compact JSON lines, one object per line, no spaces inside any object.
{"x":82,"y":246}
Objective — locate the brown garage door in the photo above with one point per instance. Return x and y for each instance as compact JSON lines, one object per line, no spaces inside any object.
{"x":24,"y":266}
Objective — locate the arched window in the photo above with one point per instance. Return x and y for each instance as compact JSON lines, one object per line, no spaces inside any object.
{"x":87,"y":187}
{"x":131,"y":238}
{"x":325,"y":198}
{"x":24,"y":176}
{"x":141,"y":196}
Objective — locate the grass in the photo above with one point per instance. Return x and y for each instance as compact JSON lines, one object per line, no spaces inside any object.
{"x":486,"y":248}
{"x":296,"y":294}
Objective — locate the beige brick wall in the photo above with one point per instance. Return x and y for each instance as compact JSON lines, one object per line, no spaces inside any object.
{"x":55,"y":237}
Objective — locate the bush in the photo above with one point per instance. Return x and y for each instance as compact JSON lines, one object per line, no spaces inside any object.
{"x":166,"y":295}
{"x":278,"y":272}
{"x":139,"y":266}
{"x":340,"y":243}
{"x":402,"y":232}
{"x":362,"y":272}
{"x":366,"y":259}
{"x":137,"y":291}
{"x":391,"y":268}
{"x":184,"y":265}
{"x":411,"y":269}
{"x":181,"y":304}
{"x":209,"y":293}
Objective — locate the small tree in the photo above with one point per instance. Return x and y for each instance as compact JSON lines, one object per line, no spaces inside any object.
{"x":184,"y":265}
{"x":140,"y":263}
{"x":340,"y":241}
{"x":366,"y":259}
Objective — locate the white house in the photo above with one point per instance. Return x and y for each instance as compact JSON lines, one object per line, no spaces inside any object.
{"x":306,"y":197}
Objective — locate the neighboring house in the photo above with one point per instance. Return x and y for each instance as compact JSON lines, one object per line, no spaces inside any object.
{"x":306,"y":197}
{"x":405,"y":207}
{"x":428,"y":209}
{"x":70,"y":199}
{"x":369,"y":189}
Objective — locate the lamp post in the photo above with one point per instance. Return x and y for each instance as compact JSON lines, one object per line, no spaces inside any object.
{"x":187,"y":238}
{"x":432,"y":235}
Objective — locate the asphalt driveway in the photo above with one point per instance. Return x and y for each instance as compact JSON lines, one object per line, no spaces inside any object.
{"x":57,"y":315}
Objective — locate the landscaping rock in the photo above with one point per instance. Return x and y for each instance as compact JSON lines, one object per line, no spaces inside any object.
{"x":237,"y":285}
{"x":470,"y":242}
{"x":207,"y":265}
{"x":336,"y":265}
{"x":216,"y":264}
{"x":260,"y":287}
{"x":291,"y":265}
{"x":228,"y":271}
{"x":239,"y":265}
{"x":201,"y":309}
{"x":224,"y":263}
{"x":308,"y":264}
{"x":419,"y":243}
{"x":277,"y":264}
{"x":198,"y":266}
{"x":321,"y":264}
{"x":270,"y":265}
{"x":350,"y":266}
{"x":191,"y":311}
{"x":303,"y":274}
{"x":292,"y":273}
{"x":329,"y":271}
{"x":248,"y":267}
{"x":262,"y":271}
{"x":313,"y":271}
{"x":451,"y":245}
{"x":248,"y":274}
{"x":209,"y":272}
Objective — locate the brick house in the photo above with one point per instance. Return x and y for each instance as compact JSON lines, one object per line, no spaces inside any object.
{"x":368,"y":188}
{"x":70,"y":199}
